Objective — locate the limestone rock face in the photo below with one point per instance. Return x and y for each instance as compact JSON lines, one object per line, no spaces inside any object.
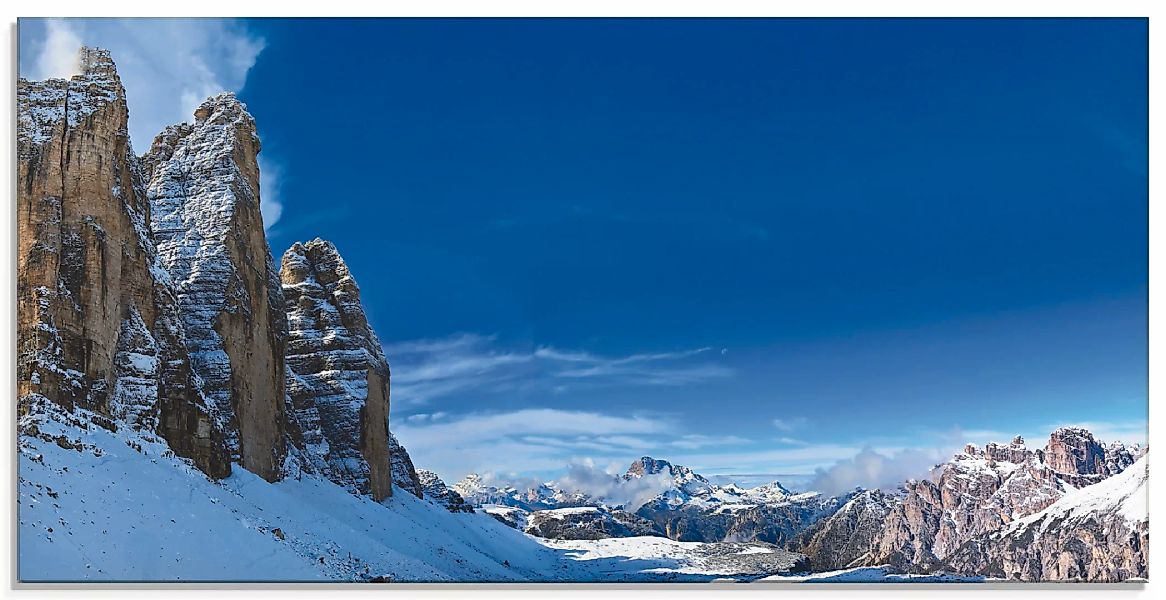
{"x":981,"y":491}
{"x":405,"y":475}
{"x":850,"y":536}
{"x":1099,"y":533}
{"x":436,"y":490}
{"x":1075,"y":450}
{"x":98,"y":322}
{"x":338,"y":378}
{"x":204,"y":197}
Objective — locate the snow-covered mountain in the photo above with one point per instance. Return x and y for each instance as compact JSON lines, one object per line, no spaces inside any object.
{"x":980,"y":490}
{"x":1098,"y":533}
{"x":668,"y":499}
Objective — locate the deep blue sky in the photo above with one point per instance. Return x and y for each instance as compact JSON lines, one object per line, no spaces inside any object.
{"x":882,"y":229}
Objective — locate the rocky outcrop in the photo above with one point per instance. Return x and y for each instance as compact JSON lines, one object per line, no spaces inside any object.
{"x":981,"y":491}
{"x":338,"y":378}
{"x":588,"y":523}
{"x":204,"y":196}
{"x":405,"y":475}
{"x":97,"y":318}
{"x":1098,"y":533}
{"x":435,"y":489}
{"x":1073,"y":450}
{"x":850,"y":536}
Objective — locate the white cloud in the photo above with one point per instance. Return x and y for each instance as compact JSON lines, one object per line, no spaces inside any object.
{"x":58,"y":55}
{"x":872,"y":468}
{"x":433,"y":368}
{"x":270,"y":177}
{"x":585,"y":477}
{"x":541,"y":440}
{"x":697,"y":441}
{"x":168,"y":67}
{"x":791,"y":424}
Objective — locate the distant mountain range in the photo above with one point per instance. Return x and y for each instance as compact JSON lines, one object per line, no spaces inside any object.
{"x":920,"y":527}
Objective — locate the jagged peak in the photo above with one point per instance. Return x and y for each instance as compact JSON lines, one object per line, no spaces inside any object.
{"x":96,"y":63}
{"x":306,"y":260}
{"x":646,"y":465}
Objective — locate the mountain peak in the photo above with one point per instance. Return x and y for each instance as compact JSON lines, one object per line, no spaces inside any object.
{"x":96,"y":63}
{"x":646,"y":465}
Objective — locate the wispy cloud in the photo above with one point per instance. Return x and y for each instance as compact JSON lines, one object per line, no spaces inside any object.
{"x":433,"y":368}
{"x":790,"y":424}
{"x":533,"y":439}
{"x":270,"y":181}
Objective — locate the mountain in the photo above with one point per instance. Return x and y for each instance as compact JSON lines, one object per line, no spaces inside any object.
{"x":435,"y":489}
{"x":978,"y":491}
{"x":587,"y":523}
{"x":204,"y":215}
{"x":850,"y":536}
{"x":669,"y":499}
{"x":691,"y":508}
{"x":1098,"y":533}
{"x":337,"y":375}
{"x":99,"y":321}
{"x":477,"y":492}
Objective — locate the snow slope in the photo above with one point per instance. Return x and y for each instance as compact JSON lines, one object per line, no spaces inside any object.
{"x":111,"y":512}
{"x":1123,"y":494}
{"x":102,"y":505}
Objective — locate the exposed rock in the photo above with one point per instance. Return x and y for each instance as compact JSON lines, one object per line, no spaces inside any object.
{"x":1099,"y":533}
{"x":98,"y":324}
{"x":435,"y":489}
{"x":588,"y":523}
{"x":405,"y":475}
{"x":338,"y":378}
{"x":204,"y":193}
{"x":1075,"y":451}
{"x":981,"y":491}
{"x":850,"y":536}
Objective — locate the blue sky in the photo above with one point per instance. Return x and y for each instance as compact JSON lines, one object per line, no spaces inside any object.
{"x":751,"y":246}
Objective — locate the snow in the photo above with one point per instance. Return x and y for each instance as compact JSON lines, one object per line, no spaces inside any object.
{"x":102,"y":505}
{"x":1124,"y":494}
{"x":661,"y":559}
{"x":880,"y":574}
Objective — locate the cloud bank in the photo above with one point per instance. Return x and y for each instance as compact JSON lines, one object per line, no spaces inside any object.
{"x":167,"y":65}
{"x":872,"y":469}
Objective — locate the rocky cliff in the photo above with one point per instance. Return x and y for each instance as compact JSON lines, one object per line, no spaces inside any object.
{"x":980,"y":491}
{"x":850,"y":536}
{"x":435,"y":489}
{"x":98,"y":323}
{"x":204,"y":196}
{"x":338,"y":378}
{"x":1098,"y":533}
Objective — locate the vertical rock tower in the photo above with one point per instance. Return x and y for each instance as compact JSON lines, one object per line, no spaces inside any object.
{"x":204,"y":195}
{"x":98,"y":324}
{"x":338,"y":378}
